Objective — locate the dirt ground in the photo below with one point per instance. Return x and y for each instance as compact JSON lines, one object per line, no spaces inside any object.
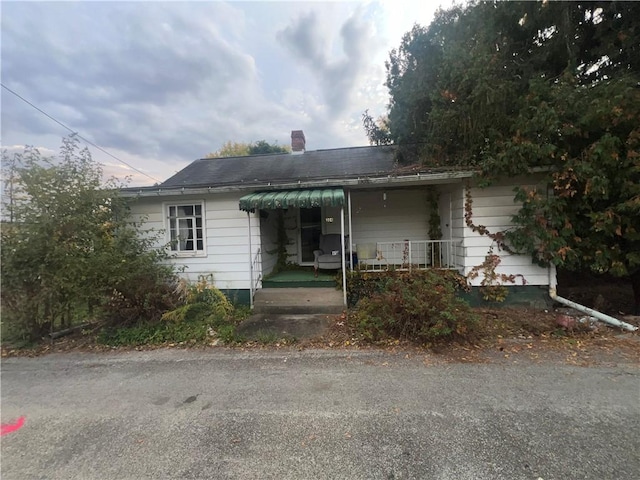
{"x":610,"y":295}
{"x":507,"y":335}
{"x":513,"y":335}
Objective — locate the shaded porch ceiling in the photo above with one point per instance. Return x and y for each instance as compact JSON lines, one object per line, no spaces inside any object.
{"x":317,"y":197}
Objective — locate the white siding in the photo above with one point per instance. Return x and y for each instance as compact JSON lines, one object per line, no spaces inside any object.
{"x":148,"y":213}
{"x":493,"y":207}
{"x":227,"y":239}
{"x":403,"y":215}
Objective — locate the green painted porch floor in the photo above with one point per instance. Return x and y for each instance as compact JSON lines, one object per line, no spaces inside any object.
{"x":300,"y":278}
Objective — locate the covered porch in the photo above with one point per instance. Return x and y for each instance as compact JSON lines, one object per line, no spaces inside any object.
{"x":379,"y":229}
{"x":275,"y":211}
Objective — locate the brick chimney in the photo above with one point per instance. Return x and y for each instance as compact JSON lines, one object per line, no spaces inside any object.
{"x":298,"y":141}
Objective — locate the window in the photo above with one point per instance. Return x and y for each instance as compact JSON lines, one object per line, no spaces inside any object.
{"x":186,"y":232}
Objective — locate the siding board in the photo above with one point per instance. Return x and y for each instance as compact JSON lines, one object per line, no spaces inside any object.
{"x":494,"y":207}
{"x":403,"y":215}
{"x":227,"y":240}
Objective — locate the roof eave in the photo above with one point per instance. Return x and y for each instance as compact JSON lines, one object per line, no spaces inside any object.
{"x":359,"y":182}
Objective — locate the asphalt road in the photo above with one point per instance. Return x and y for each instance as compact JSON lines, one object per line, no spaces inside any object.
{"x":171,"y":414}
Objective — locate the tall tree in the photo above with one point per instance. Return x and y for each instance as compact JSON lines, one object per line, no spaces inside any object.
{"x":231,"y":149}
{"x":241,"y":149}
{"x":510,"y":86}
{"x":262,"y":147}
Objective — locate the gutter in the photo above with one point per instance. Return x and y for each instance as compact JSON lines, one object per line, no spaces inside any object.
{"x":413,"y":179}
{"x":589,"y":311}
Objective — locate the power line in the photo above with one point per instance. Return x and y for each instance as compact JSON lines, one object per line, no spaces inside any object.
{"x":76,"y":133}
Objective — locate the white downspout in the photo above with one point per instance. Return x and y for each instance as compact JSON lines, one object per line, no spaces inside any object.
{"x":344,"y":263}
{"x":589,"y":311}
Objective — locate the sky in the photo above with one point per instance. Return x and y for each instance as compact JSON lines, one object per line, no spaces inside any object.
{"x":160,"y":84}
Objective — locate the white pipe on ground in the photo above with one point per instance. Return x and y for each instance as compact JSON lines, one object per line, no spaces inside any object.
{"x":589,"y":311}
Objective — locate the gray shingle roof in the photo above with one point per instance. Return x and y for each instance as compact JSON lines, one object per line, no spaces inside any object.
{"x":337,"y":163}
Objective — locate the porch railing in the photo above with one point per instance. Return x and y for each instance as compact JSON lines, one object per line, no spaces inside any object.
{"x":408,"y":255}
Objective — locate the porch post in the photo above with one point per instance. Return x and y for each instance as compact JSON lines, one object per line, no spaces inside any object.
{"x":250,"y":264}
{"x":344,"y":263}
{"x":350,"y":232}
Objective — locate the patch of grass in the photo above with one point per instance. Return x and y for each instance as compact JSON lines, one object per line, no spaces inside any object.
{"x":196,"y":332}
{"x":17,"y":342}
{"x":227,"y":334}
{"x":153,"y":334}
{"x":559,"y":332}
{"x":267,"y":337}
{"x":241,"y":312}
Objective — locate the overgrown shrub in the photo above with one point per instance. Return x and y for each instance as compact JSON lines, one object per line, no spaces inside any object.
{"x":420,"y":306}
{"x":365,"y":284}
{"x":205,"y":313}
{"x":143,"y":300}
{"x":202,"y":301}
{"x":143,"y":291}
{"x":69,"y":251}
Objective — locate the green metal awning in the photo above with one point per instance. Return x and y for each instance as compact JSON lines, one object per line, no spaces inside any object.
{"x":320,"y":197}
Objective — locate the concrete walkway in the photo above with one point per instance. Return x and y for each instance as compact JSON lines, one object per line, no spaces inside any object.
{"x":298,"y":313}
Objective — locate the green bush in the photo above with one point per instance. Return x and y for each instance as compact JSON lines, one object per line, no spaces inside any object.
{"x":202,"y":302}
{"x":420,"y":306}
{"x":69,"y":251}
{"x":205,"y":314}
{"x":155,"y":334}
{"x":365,"y":284}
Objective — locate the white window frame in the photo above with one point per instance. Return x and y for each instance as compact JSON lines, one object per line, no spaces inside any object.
{"x":171,"y":227}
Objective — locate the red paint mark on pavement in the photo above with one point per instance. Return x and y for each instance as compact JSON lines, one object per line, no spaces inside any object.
{"x":11,"y":427}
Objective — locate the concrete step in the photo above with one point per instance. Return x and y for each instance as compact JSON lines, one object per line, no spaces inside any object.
{"x":260,"y":326}
{"x":298,"y":301}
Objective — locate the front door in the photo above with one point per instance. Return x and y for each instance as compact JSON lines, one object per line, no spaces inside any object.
{"x":310,"y":230}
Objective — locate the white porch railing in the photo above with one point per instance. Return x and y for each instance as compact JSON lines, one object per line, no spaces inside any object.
{"x":408,"y":255}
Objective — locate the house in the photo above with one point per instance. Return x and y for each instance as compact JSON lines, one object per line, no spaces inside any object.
{"x":221,"y":216}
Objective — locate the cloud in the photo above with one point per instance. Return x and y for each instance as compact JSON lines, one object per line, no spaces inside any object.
{"x":164,"y":83}
{"x":308,"y":39}
{"x":305,"y":38}
{"x":127,"y":74}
